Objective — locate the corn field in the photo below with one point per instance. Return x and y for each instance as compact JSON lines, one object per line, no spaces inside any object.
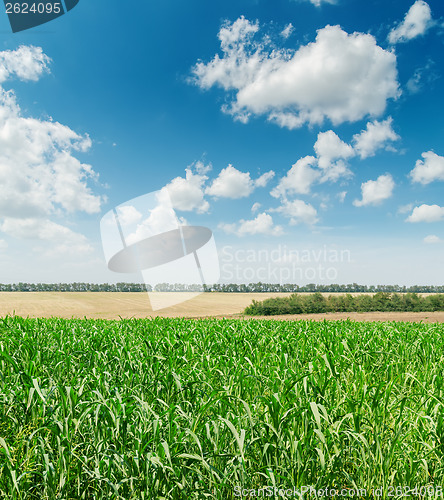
{"x":193,"y":409}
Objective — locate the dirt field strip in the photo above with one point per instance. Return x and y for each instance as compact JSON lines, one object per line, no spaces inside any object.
{"x":115,"y":305}
{"x":424,"y":317}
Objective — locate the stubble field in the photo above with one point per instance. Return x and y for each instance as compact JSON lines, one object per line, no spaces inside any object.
{"x":115,"y":305}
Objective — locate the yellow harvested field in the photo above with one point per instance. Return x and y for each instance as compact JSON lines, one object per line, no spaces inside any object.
{"x":112,"y":305}
{"x":115,"y":305}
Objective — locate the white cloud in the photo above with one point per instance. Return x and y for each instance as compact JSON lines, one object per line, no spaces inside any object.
{"x":298,"y":212}
{"x":416,"y":22}
{"x":39,"y":175}
{"x":414,"y":83}
{"x":287,"y":31}
{"x":201,"y":168}
{"x":375,"y":192}
{"x":231,"y":183}
{"x":405,"y":209}
{"x":340,"y":77}
{"x":262,"y":224}
{"x":336,"y":171}
{"x":330,"y":163}
{"x":329,"y":147}
{"x":327,"y":166}
{"x":234,"y":184}
{"x":298,"y":179}
{"x":241,"y":30}
{"x":422,"y":77}
{"x":70,"y":189}
{"x":161,"y":218}
{"x":330,"y":151}
{"x":341,"y":196}
{"x":128,"y":215}
{"x":317,"y":3}
{"x":36,"y":229}
{"x":426,"y":213}
{"x":49,"y":177}
{"x":428,"y":170}
{"x":256,"y":206}
{"x":377,"y":135}
{"x":3,"y":245}
{"x":432,"y":239}
{"x":62,"y":238}
{"x":26,"y":63}
{"x":188,"y":193}
{"x":263,"y":180}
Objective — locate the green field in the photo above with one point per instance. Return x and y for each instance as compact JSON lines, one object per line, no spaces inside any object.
{"x":318,"y":303}
{"x":179,"y":408}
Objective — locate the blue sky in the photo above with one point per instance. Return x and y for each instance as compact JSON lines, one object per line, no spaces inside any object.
{"x":304,"y":125}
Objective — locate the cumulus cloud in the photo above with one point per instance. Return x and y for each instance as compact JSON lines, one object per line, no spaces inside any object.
{"x":376,"y":136}
{"x":298,"y":212}
{"x":331,"y":151}
{"x":375,"y":192}
{"x":339,"y":77}
{"x":430,"y":169}
{"x":128,"y":215}
{"x":25,"y":63}
{"x":432,"y":239}
{"x":416,"y":22}
{"x":49,"y":177}
{"x":39,"y":175}
{"x":262,"y":224}
{"x":331,"y":160}
{"x":187,"y":193}
{"x":329,"y":147}
{"x":234,"y":184}
{"x":298,"y":179}
{"x":426,"y":213}
{"x":161,"y":218}
{"x":328,"y":165}
{"x":231,"y":183}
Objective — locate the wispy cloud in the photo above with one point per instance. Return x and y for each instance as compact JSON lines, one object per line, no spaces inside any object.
{"x":416,"y":22}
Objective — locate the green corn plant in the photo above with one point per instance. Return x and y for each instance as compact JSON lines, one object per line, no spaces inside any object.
{"x":192,"y":409}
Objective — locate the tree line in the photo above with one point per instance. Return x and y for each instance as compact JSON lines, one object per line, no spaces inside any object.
{"x":318,"y":303}
{"x":217,"y":287}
